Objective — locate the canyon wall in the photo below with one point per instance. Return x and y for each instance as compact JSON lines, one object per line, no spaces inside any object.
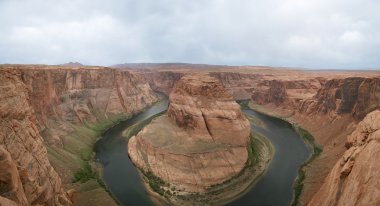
{"x":161,"y":81}
{"x":57,"y":113}
{"x":26,"y":176}
{"x":72,"y":105}
{"x":355,"y":95}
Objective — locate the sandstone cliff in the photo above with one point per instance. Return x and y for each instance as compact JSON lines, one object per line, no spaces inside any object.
{"x":72,"y":105}
{"x":355,"y":178}
{"x":202,"y":141}
{"x":276,"y":93}
{"x":161,"y":81}
{"x":65,"y":110}
{"x":356,"y":96}
{"x":26,"y":176}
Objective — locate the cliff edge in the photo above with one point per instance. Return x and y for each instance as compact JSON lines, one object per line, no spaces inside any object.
{"x":355,"y":178}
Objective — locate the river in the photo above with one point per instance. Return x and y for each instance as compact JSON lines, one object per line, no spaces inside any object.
{"x":273,"y":189}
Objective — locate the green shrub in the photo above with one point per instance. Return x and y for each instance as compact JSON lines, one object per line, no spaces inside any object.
{"x":155,"y":182}
{"x":85,"y":174}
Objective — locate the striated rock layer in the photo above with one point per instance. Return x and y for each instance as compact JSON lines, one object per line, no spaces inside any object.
{"x":200,"y":142}
{"x":355,"y":178}
{"x":26,"y":176}
{"x":355,"y":96}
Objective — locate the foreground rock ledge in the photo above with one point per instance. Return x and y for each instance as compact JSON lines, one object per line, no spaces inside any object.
{"x":355,"y":178}
{"x":201,"y":141}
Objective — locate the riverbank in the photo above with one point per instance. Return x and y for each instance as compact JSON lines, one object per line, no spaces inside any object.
{"x":309,"y":140}
{"x":87,"y":181}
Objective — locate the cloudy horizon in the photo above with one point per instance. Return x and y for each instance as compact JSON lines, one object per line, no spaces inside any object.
{"x":317,"y":34}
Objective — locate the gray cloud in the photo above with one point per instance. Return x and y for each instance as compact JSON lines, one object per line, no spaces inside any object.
{"x":313,"y":33}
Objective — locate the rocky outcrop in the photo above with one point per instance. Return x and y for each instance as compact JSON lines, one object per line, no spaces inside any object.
{"x":200,"y":142}
{"x":355,"y":178}
{"x":163,"y":81}
{"x":26,"y":176}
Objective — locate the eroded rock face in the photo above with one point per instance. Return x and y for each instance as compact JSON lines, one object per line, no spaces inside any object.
{"x":276,"y":93}
{"x":26,"y":176}
{"x":75,"y":95}
{"x":201,"y":105}
{"x":43,"y":110}
{"x":200,"y":142}
{"x":355,"y":178}
{"x":356,"y":96}
{"x":161,"y":81}
{"x":64,"y":96}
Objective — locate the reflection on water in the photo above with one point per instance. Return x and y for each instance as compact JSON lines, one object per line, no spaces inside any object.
{"x":275,"y":187}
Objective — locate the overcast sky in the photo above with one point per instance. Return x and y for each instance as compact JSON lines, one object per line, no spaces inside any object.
{"x":294,"y":33}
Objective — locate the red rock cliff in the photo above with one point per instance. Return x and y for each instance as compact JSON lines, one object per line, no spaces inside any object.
{"x":51,"y":111}
{"x":356,"y":96}
{"x":26,"y":176}
{"x":355,"y":178}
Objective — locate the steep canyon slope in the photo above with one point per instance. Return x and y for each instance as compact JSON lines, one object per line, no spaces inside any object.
{"x":26,"y":175}
{"x":58,"y":112}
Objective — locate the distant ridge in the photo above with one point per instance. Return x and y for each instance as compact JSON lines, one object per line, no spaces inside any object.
{"x":73,"y":64}
{"x":167,"y":66}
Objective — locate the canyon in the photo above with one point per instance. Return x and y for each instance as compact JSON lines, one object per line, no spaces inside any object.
{"x":52,"y":115}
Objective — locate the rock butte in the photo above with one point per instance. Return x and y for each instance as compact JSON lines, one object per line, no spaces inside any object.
{"x":200,"y":142}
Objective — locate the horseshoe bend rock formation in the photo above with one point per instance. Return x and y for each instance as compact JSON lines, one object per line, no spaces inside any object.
{"x":355,"y":178}
{"x":200,"y":142}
